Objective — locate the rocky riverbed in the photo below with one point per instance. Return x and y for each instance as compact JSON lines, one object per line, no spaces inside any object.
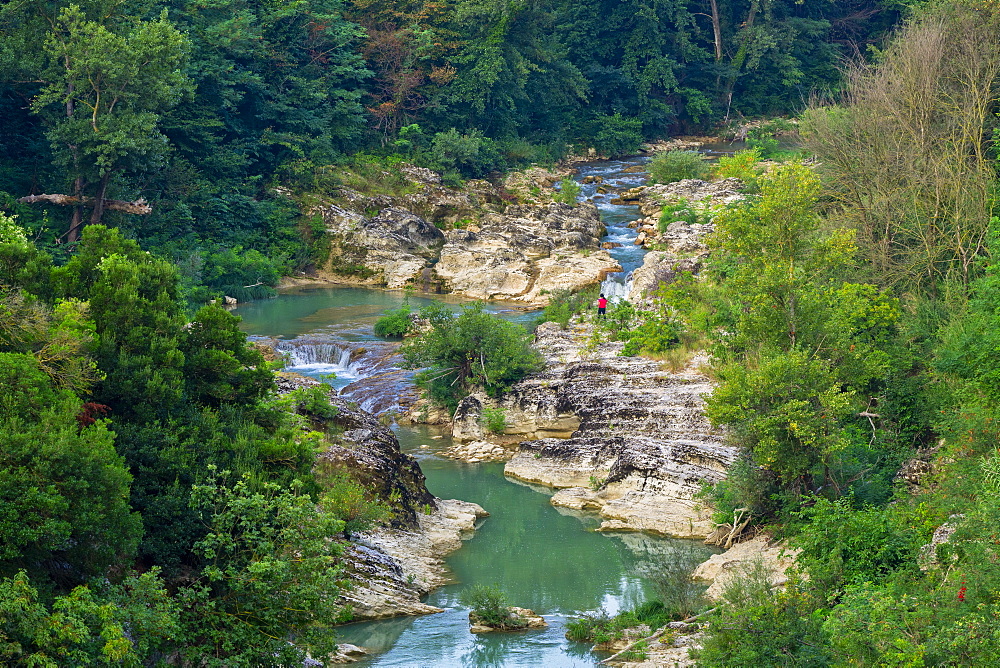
{"x":619,"y":435}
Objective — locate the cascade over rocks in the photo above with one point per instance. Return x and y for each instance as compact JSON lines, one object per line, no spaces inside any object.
{"x":642,"y":440}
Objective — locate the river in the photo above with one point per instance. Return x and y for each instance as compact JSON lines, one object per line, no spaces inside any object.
{"x":544,"y":558}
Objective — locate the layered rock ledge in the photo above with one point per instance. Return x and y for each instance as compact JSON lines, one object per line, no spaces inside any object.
{"x":493,"y":249}
{"x":390,"y":568}
{"x":641,"y":448}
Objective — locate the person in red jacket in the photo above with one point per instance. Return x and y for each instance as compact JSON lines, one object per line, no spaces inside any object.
{"x":602,"y":306}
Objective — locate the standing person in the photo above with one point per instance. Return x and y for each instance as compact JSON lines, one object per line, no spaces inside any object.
{"x":602,"y":306}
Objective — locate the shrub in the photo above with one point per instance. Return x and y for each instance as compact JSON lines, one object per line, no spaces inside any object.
{"x":582,"y":629}
{"x":495,"y":419}
{"x":470,"y":155}
{"x":347,"y":500}
{"x":598,"y":627}
{"x":564,"y":304}
{"x":764,"y":138}
{"x":654,"y":336}
{"x":243,"y":274}
{"x":677,"y":165}
{"x":680,"y":594}
{"x":761,"y":626}
{"x":844,"y":546}
{"x":475,"y":350}
{"x":569,"y":190}
{"x":490,"y":607}
{"x":741,"y":165}
{"x":679,"y":210}
{"x":395,"y":323}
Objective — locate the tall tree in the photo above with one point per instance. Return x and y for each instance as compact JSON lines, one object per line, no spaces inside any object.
{"x":103,"y":96}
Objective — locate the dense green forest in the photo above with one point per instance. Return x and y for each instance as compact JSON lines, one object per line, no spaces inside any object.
{"x":191,"y":125}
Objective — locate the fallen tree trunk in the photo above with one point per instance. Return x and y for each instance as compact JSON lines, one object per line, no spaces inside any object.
{"x":139,"y":207}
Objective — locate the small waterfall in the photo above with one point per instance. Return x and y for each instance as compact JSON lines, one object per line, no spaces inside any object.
{"x":318,"y":357}
{"x":366,"y":373}
{"x":617,"y":286}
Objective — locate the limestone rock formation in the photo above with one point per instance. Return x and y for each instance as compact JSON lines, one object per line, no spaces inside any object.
{"x":370,"y":451}
{"x":643,"y":443}
{"x":390,"y":569}
{"x":720,"y":569}
{"x":501,"y":251}
{"x":390,"y":248}
{"x":526,"y":252}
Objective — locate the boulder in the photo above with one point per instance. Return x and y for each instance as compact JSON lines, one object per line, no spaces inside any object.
{"x":720,"y":569}
{"x":527,"y":617}
{"x":525,"y":253}
{"x":658,"y":268}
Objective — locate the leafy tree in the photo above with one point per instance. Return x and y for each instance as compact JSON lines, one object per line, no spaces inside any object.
{"x":906,"y":152}
{"x":219,"y":367}
{"x":125,"y":625}
{"x":476,"y":350}
{"x":103,"y":96}
{"x":803,"y":351}
{"x":788,"y":409}
{"x":271,"y":573}
{"x":65,"y":512}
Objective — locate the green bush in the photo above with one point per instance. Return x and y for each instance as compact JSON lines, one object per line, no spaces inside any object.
{"x":474,"y":350}
{"x":464,"y":155}
{"x":654,"y":336}
{"x":599,"y":627}
{"x":396,"y":323}
{"x":490,"y":606}
{"x":764,"y":138}
{"x":761,"y":626}
{"x":844,"y":546}
{"x":348,"y":501}
{"x":674,"y":166}
{"x":679,"y":210}
{"x":741,"y":165}
{"x":569,"y":190}
{"x":495,"y":419}
{"x":582,"y":629}
{"x":564,"y":304}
